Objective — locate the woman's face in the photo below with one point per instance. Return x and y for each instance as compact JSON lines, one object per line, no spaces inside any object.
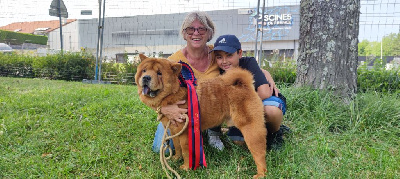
{"x":196,"y":34}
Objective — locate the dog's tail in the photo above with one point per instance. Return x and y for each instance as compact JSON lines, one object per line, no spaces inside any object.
{"x":239,"y":77}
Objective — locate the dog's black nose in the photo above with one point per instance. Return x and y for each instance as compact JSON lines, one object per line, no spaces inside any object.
{"x":146,"y":78}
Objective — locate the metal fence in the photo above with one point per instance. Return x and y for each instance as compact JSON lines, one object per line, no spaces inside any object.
{"x":378,"y":17}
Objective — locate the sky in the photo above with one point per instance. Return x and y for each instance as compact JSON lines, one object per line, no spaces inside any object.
{"x":378,"y":17}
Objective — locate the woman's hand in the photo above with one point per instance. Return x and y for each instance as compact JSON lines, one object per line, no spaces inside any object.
{"x":174,"y":113}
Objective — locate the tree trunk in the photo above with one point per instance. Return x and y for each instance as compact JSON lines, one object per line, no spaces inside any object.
{"x":328,"y":45}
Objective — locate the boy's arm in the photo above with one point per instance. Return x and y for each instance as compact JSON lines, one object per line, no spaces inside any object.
{"x":271,"y":82}
{"x":264,"y":91}
{"x":261,"y":82}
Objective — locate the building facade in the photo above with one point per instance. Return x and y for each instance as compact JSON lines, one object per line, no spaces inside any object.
{"x":159,"y":34}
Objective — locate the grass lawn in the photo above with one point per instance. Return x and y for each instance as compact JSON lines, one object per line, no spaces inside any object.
{"x":58,"y":129}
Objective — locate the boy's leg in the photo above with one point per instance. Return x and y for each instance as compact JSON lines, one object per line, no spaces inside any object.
{"x":273,"y":117}
{"x":274,"y":109}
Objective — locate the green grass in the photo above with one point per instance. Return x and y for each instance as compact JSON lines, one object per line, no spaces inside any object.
{"x":58,"y":129}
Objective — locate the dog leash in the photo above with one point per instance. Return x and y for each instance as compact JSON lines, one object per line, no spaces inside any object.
{"x":163,"y":147}
{"x":195,"y":139}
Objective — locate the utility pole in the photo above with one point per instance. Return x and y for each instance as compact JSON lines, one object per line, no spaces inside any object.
{"x":258,"y":52}
{"x":255,"y":48}
{"x":262,"y":35}
{"x":97,"y":50}
{"x":59,"y":15}
{"x":381,"y":48}
{"x":100,"y":31}
{"x":101,"y":38}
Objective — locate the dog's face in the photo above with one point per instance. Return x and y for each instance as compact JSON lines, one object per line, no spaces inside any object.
{"x":157,"y":76}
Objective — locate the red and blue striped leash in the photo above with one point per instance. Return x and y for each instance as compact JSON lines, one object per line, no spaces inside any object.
{"x":196,"y":152}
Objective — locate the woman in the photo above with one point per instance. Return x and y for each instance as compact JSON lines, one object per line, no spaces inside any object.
{"x":197,"y":29}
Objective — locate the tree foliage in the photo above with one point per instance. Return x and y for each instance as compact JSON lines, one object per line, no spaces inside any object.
{"x":390,"y":46}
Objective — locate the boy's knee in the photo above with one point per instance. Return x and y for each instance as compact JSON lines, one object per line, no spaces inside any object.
{"x":272,"y":111}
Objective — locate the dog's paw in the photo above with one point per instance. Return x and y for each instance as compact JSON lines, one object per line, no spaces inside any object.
{"x":176,"y":157}
{"x":184,"y":167}
{"x":259,"y":176}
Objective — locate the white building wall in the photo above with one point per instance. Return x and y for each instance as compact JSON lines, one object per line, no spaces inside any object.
{"x":160,"y":33}
{"x":70,"y":38}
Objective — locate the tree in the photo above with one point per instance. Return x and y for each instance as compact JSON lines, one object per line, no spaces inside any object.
{"x":373,"y":49}
{"x":328,"y":45}
{"x":362,"y":46}
{"x":391,"y":45}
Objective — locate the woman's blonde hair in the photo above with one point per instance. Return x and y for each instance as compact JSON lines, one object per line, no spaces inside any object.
{"x":203,"y":18}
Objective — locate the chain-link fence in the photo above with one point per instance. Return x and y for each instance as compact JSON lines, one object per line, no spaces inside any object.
{"x":156,"y":28}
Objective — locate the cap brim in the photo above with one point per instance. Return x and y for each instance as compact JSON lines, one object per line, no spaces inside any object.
{"x":225,"y":49}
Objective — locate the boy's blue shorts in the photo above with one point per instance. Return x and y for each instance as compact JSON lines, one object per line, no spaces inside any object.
{"x":279,"y":102}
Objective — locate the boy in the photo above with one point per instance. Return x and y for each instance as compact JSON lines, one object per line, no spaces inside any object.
{"x":228,"y":54}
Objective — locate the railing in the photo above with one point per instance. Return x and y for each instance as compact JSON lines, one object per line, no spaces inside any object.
{"x":113,"y":78}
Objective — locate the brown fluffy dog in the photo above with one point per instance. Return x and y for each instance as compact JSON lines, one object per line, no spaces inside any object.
{"x":229,"y":96}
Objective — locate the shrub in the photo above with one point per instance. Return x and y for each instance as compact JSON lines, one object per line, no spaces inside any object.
{"x":78,"y":66}
{"x":283,"y":72}
{"x":15,"y":65}
{"x":124,"y":71}
{"x":69,"y":66}
{"x":20,"y":38}
{"x":378,"y":79}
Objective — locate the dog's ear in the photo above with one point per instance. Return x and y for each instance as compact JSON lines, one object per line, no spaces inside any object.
{"x":142,"y":57}
{"x":176,"y":68}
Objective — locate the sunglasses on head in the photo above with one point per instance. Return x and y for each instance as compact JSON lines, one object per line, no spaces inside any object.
{"x":200,"y":30}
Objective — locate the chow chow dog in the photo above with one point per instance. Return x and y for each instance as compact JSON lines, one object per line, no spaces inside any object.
{"x":227,"y":97}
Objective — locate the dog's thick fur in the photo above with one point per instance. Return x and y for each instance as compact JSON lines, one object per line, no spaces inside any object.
{"x":229,"y":96}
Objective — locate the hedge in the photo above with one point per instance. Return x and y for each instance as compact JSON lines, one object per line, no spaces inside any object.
{"x":78,"y":66}
{"x":21,"y":38}
{"x":70,"y":66}
{"x":378,"y":79}
{"x":283,"y":72}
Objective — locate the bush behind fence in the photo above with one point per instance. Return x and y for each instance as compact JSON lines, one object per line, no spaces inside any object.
{"x":16,"y":38}
{"x":79,"y":66}
{"x":375,"y":78}
{"x":69,"y":67}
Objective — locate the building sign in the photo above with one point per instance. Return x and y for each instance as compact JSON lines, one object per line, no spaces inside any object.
{"x":280,"y":23}
{"x":276,"y":19}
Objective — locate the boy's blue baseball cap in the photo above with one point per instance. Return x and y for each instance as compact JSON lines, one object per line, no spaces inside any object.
{"x":227,"y":43}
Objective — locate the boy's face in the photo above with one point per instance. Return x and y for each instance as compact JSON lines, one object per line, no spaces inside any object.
{"x":227,"y":61}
